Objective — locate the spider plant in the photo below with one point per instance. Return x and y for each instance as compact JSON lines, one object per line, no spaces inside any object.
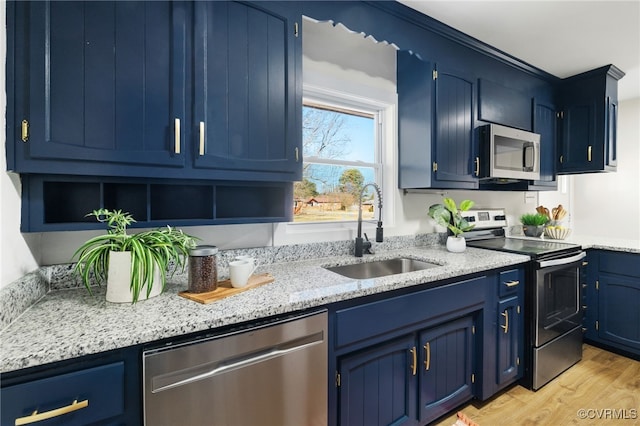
{"x":149,"y":250}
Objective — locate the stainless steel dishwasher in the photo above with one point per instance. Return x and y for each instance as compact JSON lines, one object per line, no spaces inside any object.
{"x":271,"y":374}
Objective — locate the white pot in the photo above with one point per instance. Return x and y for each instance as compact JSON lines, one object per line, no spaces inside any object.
{"x":119,"y":279}
{"x":456,"y":244}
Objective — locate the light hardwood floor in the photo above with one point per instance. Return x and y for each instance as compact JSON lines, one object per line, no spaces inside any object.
{"x":601,"y":381}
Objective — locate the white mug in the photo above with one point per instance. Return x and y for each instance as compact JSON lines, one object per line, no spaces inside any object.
{"x":240,"y":271}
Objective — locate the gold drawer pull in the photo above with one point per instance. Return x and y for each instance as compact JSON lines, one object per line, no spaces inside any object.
{"x":176,"y":136}
{"x":414,"y":366}
{"x":25,"y":131}
{"x":35,"y":417}
{"x":505,"y":327}
{"x":512,"y":283}
{"x":201,"y":150}
{"x":427,"y":356}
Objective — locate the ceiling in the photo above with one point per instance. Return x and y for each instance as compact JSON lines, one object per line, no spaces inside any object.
{"x":562,"y":38}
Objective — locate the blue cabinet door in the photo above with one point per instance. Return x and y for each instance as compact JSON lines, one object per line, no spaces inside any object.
{"x":436,"y":142}
{"x":101,"y":82}
{"x":454,"y":141}
{"x":509,"y":340}
{"x":545,"y":124}
{"x":247,"y":91}
{"x":578,"y":137}
{"x":619,"y":316}
{"x":378,"y":386}
{"x":445,"y":365}
{"x":589,"y":121}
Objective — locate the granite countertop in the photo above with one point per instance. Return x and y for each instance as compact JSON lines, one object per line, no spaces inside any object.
{"x":70,"y":323}
{"x":603,"y":243}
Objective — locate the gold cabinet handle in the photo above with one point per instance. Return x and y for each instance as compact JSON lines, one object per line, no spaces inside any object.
{"x":427,"y":356}
{"x":477,"y":161}
{"x":25,"y":131}
{"x":297,"y":150}
{"x":414,"y":365}
{"x":512,"y":283}
{"x":589,"y":149}
{"x":35,"y":417}
{"x":505,"y":327}
{"x":176,"y":136}
{"x":201,"y":149}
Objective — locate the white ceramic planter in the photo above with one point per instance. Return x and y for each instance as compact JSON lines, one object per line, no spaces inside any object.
{"x":456,"y":244}
{"x":119,"y":279}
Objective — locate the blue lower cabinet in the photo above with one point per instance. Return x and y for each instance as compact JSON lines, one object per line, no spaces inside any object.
{"x":619,"y":322}
{"x":381,"y":385}
{"x":378,"y":387}
{"x":90,"y":396}
{"x":509,"y":337}
{"x":503,"y":338}
{"x":612,"y":287}
{"x":446,"y":375}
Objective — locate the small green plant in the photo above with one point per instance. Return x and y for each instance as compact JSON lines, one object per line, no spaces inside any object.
{"x":534,"y":219}
{"x":449,"y":215}
{"x":149,"y":249}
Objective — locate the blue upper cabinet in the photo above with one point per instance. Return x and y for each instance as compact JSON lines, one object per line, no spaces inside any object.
{"x":589,"y":110}
{"x":545,"y":124}
{"x":454,"y":143}
{"x":435,"y":125}
{"x":101,"y":82}
{"x":502,"y":105}
{"x":247,"y":103}
{"x":189,"y":90}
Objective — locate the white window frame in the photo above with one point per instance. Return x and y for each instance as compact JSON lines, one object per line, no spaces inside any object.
{"x":386,"y":174}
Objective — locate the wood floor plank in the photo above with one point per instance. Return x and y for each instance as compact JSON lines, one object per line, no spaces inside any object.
{"x":604,"y":384}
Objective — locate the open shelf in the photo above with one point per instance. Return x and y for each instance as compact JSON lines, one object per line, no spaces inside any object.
{"x":60,"y":203}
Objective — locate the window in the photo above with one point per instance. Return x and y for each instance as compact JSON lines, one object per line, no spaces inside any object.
{"x":341,"y":151}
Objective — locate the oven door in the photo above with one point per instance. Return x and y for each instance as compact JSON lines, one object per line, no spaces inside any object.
{"x":557,"y":297}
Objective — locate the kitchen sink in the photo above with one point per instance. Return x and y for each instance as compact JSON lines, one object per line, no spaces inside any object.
{"x":381,"y":268}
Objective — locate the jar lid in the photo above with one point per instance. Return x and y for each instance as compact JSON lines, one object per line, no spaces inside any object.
{"x":203,"y":251}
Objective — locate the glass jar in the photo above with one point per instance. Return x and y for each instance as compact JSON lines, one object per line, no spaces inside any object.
{"x":203,"y":269}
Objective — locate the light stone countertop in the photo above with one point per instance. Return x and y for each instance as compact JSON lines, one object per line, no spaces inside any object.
{"x":70,"y":323}
{"x":594,"y":242}
{"x":603,"y":243}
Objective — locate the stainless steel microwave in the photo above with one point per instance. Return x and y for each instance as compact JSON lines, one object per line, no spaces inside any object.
{"x":509,"y":154}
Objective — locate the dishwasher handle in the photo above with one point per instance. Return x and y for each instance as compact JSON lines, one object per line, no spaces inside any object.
{"x":173,"y":380}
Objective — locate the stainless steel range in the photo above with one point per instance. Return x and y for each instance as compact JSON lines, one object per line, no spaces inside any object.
{"x":553,"y":313}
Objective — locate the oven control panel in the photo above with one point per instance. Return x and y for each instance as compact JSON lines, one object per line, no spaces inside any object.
{"x":486,"y":218}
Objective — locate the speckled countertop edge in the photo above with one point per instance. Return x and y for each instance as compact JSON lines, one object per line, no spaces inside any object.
{"x":70,"y":323}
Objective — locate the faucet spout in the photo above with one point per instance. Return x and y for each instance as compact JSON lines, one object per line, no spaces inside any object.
{"x":361,"y":245}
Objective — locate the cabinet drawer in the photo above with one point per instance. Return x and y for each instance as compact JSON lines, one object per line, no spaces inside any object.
{"x":509,"y":282}
{"x":102,"y":387}
{"x":398,"y":313}
{"x":620,"y":263}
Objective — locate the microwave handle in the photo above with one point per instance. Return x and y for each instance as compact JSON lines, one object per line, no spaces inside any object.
{"x":529,"y":146}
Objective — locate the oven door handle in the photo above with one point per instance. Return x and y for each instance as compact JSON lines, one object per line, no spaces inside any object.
{"x":563,"y":261}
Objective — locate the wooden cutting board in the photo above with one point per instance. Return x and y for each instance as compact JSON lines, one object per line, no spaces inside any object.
{"x":225,"y":289}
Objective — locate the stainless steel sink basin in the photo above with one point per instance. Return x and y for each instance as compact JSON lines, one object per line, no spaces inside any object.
{"x":381,"y":268}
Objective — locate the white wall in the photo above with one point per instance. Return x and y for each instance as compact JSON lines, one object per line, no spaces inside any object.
{"x":18,"y":253}
{"x":608,"y":204}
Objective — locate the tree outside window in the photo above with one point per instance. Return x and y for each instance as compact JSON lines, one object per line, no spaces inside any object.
{"x":340,"y":156}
